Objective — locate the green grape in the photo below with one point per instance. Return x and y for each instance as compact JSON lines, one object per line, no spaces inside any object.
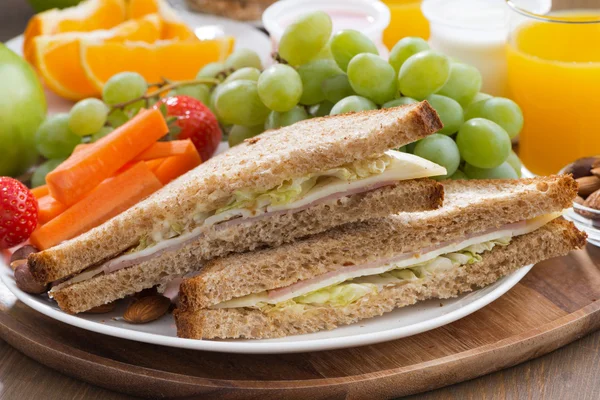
{"x":239,"y":133}
{"x":463,"y":84}
{"x":405,"y":48}
{"x":133,"y":109}
{"x":480,"y":97}
{"x":410,"y":148}
{"x":87,"y":116}
{"x":211,"y":103}
{"x":347,"y":43}
{"x":211,"y":70}
{"x":402,"y":149}
{"x":450,"y":112}
{"x":423,"y":74}
{"x":278,"y":120}
{"x":39,"y":175}
{"x":238,"y":103}
{"x":322,"y":109}
{"x":303,"y":40}
{"x":514,"y":161}
{"x":352,"y":104}
{"x":324,"y":54}
{"x":441,"y":150}
{"x":483,"y":143}
{"x":54,"y":138}
{"x":502,"y":111}
{"x":474,"y":109}
{"x":280,"y":87}
{"x":198,"y":92}
{"x":312,"y":75}
{"x":336,"y":88}
{"x":372,"y":77}
{"x":243,"y":58}
{"x":458,"y":175}
{"x":248,"y":73}
{"x":105,"y":130}
{"x":116,"y":118}
{"x":503,"y":171}
{"x":402,"y":101}
{"x":124,"y":87}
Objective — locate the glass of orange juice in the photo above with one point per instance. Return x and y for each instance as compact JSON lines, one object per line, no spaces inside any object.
{"x":554,"y":75}
{"x":407,"y":20}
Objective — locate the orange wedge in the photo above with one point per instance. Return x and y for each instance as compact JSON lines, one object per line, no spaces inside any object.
{"x":58,"y":58}
{"x":87,"y":16}
{"x":173,"y":27}
{"x":174,"y":60}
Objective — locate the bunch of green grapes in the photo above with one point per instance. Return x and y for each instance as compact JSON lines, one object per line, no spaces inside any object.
{"x":324,"y":74}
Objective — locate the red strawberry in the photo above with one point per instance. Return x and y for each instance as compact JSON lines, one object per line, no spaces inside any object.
{"x":18,"y":212}
{"x":196,"y":122}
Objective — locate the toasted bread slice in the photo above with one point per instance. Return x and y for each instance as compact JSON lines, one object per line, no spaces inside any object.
{"x":409,"y":195}
{"x":470,"y":207}
{"x":260,"y":163}
{"x":552,"y":240}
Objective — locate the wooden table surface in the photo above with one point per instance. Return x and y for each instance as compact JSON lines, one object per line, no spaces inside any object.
{"x":572,"y":372}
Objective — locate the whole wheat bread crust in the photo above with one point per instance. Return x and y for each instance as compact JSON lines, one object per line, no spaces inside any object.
{"x":555,"y":239}
{"x":261,"y":163}
{"x":409,"y":195}
{"x":470,"y":207}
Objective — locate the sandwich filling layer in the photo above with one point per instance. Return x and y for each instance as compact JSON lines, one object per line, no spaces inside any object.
{"x":348,"y":284}
{"x":290,"y":196}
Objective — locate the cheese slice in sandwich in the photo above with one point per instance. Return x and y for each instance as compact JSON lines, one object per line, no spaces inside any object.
{"x":485,"y":230}
{"x":275,"y":188}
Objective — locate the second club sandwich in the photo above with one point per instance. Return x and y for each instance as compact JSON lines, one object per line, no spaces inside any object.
{"x":485,"y":230}
{"x":275,"y":188}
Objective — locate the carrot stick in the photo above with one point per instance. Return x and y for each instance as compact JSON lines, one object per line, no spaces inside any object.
{"x":48,"y":208}
{"x":108,"y":199}
{"x":157,"y":150}
{"x":86,"y":169}
{"x":164,"y":149}
{"x":153,"y":164}
{"x":40,"y":191}
{"x":175,"y":166}
{"x":80,"y":147}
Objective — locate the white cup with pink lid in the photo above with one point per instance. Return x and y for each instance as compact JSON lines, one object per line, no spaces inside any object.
{"x":370,"y":17}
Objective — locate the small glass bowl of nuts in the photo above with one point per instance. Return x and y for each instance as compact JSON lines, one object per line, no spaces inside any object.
{"x":585,"y":213}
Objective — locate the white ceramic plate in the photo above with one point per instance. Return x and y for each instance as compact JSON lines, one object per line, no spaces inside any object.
{"x":246,"y":36}
{"x":400,"y":323}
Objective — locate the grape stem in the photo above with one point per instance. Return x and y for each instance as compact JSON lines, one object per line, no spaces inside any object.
{"x":275,"y":55}
{"x":162,"y":87}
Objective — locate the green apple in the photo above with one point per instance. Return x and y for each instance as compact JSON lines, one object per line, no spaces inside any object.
{"x":22,"y":110}
{"x":42,"y":5}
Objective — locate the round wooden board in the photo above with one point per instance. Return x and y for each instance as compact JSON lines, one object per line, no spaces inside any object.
{"x":556,"y":303}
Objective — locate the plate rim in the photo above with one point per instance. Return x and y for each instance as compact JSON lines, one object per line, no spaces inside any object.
{"x":257,"y":346}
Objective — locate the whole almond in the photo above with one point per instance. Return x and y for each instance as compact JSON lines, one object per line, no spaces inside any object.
{"x":580,"y":167}
{"x":147,"y":309}
{"x":593,"y":201}
{"x":588,"y":185}
{"x":17,"y":263}
{"x":23,"y":252}
{"x":596,"y":171}
{"x":26,"y":282}
{"x":103,"y":309}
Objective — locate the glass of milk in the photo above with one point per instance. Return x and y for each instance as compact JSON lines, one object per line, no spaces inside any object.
{"x":474,"y":32}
